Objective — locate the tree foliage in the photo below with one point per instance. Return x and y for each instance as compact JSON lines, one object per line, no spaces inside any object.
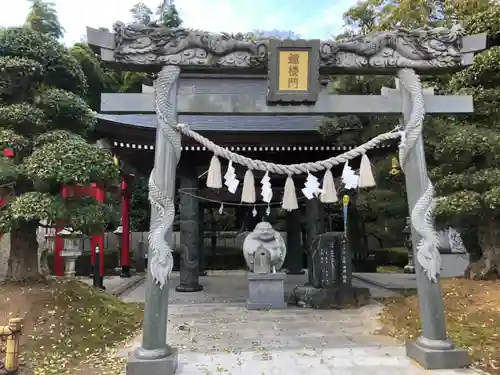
{"x":467,"y":156}
{"x":99,"y":78}
{"x":166,"y":16}
{"x":370,"y":15}
{"x":141,"y":13}
{"x":462,"y":151}
{"x":42,"y":17}
{"x":43,"y":121}
{"x":139,"y":205}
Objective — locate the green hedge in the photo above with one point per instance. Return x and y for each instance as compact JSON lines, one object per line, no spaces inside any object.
{"x":391,"y":257}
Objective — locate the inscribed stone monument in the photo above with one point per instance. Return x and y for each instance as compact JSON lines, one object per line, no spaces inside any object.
{"x":331,"y":276}
{"x":325,"y":257}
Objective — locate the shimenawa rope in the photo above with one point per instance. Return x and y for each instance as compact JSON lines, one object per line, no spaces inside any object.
{"x":422,"y":219}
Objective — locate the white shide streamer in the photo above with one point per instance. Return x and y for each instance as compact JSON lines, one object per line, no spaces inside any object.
{"x":422,"y":215}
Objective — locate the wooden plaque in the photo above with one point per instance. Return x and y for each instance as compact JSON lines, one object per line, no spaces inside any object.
{"x":293,"y":71}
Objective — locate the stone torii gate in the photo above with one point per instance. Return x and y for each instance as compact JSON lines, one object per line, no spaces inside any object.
{"x":293,"y":69}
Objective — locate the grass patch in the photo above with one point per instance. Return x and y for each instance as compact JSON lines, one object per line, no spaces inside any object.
{"x":472,"y":316}
{"x":398,"y":249}
{"x":390,"y":269}
{"x":71,"y":328}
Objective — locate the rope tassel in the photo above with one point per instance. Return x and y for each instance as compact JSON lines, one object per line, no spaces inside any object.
{"x":328,"y":193}
{"x":366,"y":178}
{"x":214,"y":178}
{"x":289,"y":196}
{"x":248,"y":193}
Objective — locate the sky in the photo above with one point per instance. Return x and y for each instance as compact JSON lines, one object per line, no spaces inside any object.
{"x":313,"y":19}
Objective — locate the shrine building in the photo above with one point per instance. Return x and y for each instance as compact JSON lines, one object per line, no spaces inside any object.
{"x":127,"y":124}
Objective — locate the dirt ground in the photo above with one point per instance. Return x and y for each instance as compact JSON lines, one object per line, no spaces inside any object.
{"x":472,"y":316}
{"x":69,"y":328}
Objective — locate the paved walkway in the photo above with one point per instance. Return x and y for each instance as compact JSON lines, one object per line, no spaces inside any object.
{"x":231,"y":287}
{"x":216,"y":335}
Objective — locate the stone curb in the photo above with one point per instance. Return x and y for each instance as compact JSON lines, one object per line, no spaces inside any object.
{"x":376,"y":285}
{"x":369,"y":281}
{"x":129,"y":284}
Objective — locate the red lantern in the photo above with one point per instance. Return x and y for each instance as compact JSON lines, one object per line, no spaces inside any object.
{"x":8,"y":152}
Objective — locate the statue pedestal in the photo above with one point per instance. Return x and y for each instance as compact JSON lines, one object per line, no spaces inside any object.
{"x":266,"y":291}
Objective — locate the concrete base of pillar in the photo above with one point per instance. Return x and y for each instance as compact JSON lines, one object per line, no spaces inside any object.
{"x":188,"y":288}
{"x":437,"y":359}
{"x":159,"y":366}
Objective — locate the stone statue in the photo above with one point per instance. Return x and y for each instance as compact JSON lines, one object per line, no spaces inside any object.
{"x":265,"y":237}
{"x":450,"y":239}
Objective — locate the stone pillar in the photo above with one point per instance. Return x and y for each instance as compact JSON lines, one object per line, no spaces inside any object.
{"x":315,"y":226}
{"x":433,"y":349}
{"x":293,"y":261}
{"x":201,"y":241}
{"x":213,"y":232}
{"x":155,"y":356}
{"x":189,"y":208}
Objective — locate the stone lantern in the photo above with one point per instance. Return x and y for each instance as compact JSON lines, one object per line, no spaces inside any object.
{"x":72,"y":249}
{"x":50,"y":240}
{"x":47,"y":248}
{"x":119,"y":234}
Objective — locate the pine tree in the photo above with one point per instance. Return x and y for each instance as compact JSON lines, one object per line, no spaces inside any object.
{"x":42,"y":17}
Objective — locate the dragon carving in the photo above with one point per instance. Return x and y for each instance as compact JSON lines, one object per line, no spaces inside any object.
{"x":178,"y":46}
{"x":424,"y":47}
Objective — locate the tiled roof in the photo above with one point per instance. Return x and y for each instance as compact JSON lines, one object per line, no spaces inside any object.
{"x":226,"y":123}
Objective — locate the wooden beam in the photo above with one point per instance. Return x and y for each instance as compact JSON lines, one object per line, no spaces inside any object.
{"x":252,"y":103}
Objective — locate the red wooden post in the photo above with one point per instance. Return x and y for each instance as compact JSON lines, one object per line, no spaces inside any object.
{"x":59,"y":242}
{"x":125,"y":250}
{"x":100,"y":196}
{"x":94,"y":240}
